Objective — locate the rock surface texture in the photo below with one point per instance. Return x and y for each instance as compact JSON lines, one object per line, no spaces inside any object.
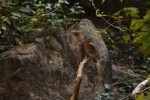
{"x":45,"y":69}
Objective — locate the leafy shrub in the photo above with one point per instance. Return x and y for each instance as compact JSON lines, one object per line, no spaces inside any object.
{"x":142,"y":27}
{"x":23,"y":21}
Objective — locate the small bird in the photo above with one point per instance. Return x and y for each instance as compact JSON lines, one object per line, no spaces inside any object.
{"x":90,"y":49}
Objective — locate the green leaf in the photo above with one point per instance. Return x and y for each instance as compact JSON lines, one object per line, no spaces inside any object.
{"x":3,"y":27}
{"x":34,"y":19}
{"x":140,"y":97}
{"x":25,"y":10}
{"x":15,"y":14}
{"x":144,"y":39}
{"x":131,"y":12}
{"x":136,"y":24}
{"x":63,"y":1}
{"x":147,"y":16}
{"x":148,"y":96}
{"x":126,"y":37}
{"x":103,"y":1}
{"x":39,"y":5}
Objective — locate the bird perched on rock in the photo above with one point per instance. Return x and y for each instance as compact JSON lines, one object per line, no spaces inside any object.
{"x":90,"y":49}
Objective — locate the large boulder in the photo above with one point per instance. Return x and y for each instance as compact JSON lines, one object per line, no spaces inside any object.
{"x":45,"y":69}
{"x":98,"y":73}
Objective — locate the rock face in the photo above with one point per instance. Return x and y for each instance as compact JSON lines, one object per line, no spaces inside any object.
{"x":45,"y":70}
{"x":100,"y":71}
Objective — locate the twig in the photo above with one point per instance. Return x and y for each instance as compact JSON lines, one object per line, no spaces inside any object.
{"x":78,"y":79}
{"x":49,"y":12}
{"x":133,"y":75}
{"x":116,"y":83}
{"x":125,"y":98}
{"x":18,"y":70}
{"x":110,"y":23}
{"x":103,"y":17}
{"x":148,"y":88}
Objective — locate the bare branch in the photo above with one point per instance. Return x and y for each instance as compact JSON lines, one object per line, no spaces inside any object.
{"x":78,"y":79}
{"x":139,"y":87}
{"x":133,"y":75}
{"x":49,"y":12}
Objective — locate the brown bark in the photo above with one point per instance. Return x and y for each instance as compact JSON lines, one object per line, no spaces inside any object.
{"x":78,"y":80}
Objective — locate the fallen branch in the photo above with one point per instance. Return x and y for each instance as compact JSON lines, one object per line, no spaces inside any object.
{"x":78,"y":80}
{"x":138,"y":90}
{"x":139,"y":87}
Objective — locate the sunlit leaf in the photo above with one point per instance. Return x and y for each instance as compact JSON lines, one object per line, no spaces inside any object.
{"x":140,"y":96}
{"x":148,"y":96}
{"x":136,"y":24}
{"x":98,"y":14}
{"x":147,"y":16}
{"x":5,"y":19}
{"x":103,"y":1}
{"x":131,"y":12}
{"x":126,"y":37}
{"x":48,"y":6}
{"x":39,"y":5}
{"x":24,"y":9}
{"x":34,"y":19}
{"x":63,"y":1}
{"x":144,"y":38}
{"x":148,"y":75}
{"x":15,"y":14}
{"x":107,"y":86}
{"x":3,"y":27}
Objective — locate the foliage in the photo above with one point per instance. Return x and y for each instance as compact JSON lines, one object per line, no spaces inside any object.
{"x":123,"y":84}
{"x":129,"y":12}
{"x":142,"y":27}
{"x":139,"y":26}
{"x":23,"y":21}
{"x":132,"y":32}
{"x":143,"y":96}
{"x":122,"y":47}
{"x":132,"y":37}
{"x":104,"y":96}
